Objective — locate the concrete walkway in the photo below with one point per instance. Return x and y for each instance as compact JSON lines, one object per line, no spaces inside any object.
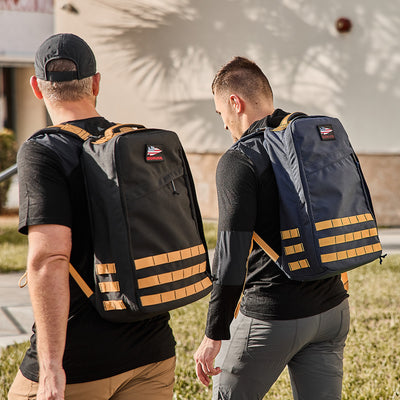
{"x":16,"y":316}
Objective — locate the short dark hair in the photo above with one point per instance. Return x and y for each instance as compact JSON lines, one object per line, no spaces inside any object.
{"x":243,"y":76}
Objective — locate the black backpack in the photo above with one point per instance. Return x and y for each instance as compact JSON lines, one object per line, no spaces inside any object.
{"x":150,"y":254}
{"x":327,"y":220}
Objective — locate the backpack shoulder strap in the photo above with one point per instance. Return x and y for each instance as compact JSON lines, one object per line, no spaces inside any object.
{"x":285,"y":121}
{"x":84,"y":135}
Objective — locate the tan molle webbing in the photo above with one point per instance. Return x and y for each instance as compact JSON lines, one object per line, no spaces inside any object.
{"x":173,"y":276}
{"x":348,"y":237}
{"x":177,"y":294}
{"x":81,"y":283}
{"x":300,"y":264}
{"x":338,"y":222}
{"x":172,"y":256}
{"x":355,"y":252}
{"x":294,"y":249}
{"x":290,"y":234}
{"x":103,"y":269}
{"x":111,"y":305}
{"x":109,"y":286}
{"x":117,"y":130}
{"x":74,"y":129}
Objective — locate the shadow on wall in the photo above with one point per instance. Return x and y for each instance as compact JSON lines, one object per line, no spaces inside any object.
{"x":172,"y":49}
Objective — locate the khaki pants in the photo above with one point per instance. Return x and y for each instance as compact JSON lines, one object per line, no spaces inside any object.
{"x":150,"y":382}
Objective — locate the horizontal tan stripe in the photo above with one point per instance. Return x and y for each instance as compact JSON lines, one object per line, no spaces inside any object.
{"x":299,"y":265}
{"x":110,"y":286}
{"x":348,"y":237}
{"x":338,"y":222}
{"x":357,"y":251}
{"x":111,"y":305}
{"x":297,"y":248}
{"x":290,"y":234}
{"x":172,"y":295}
{"x":165,"y":258}
{"x":102,"y":269}
{"x":173,"y":276}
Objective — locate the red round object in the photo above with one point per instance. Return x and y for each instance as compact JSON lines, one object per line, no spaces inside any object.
{"x":343,"y":25}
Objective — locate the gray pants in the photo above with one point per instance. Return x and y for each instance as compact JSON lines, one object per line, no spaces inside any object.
{"x":258,"y":352}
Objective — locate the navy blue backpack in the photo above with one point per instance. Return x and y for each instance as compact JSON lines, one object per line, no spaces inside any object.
{"x":327,"y":220}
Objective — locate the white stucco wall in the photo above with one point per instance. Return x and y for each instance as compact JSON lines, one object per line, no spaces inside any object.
{"x":158,"y":58}
{"x":23,"y":26}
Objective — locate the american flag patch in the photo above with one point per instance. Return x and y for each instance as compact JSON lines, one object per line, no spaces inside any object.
{"x":326,"y":132}
{"x":153,"y":154}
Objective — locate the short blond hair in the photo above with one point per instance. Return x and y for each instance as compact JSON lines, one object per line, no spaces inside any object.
{"x":65,"y":91}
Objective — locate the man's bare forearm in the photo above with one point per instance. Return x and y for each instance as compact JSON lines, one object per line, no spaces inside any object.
{"x":48,"y":280}
{"x":49,"y":290}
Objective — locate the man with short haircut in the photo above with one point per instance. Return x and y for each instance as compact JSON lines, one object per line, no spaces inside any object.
{"x":282,"y":322}
{"x":74,"y":353}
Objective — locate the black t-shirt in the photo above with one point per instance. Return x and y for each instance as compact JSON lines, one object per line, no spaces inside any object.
{"x":52,"y":192}
{"x":248,"y":201}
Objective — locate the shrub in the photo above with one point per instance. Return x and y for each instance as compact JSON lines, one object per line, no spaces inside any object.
{"x":8,"y":153}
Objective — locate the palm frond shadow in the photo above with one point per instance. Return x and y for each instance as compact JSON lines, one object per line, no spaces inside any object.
{"x":172,"y":47}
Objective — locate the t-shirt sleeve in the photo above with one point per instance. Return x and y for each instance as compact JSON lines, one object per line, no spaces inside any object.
{"x":43,"y":187}
{"x":237,"y":204}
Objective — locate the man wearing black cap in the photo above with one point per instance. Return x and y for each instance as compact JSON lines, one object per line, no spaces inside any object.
{"x":74,"y":353}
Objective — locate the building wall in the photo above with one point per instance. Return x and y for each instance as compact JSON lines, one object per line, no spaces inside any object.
{"x":381,"y":172}
{"x":382,"y":175}
{"x":30,"y":113}
{"x":158,"y":58}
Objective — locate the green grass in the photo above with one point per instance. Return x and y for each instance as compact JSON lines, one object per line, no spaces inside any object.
{"x":210,"y":232}
{"x":372,"y":353}
{"x":13,"y":249}
{"x":10,"y":358}
{"x":14,"y":246}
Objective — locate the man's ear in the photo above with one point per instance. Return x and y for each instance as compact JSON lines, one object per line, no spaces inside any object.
{"x":96,"y":83}
{"x":35,"y":88}
{"x":237,"y":103}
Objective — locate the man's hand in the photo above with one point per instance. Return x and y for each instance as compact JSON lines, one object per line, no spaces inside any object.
{"x":51,"y":385}
{"x":204,"y":357}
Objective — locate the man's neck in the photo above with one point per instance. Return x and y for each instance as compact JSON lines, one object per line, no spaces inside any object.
{"x":255,"y":114}
{"x":71,"y":111}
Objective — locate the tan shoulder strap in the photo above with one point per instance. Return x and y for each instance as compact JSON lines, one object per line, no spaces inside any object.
{"x":79,"y":280}
{"x":23,"y":281}
{"x":272,"y":254}
{"x":285,"y":121}
{"x":73,"y":129}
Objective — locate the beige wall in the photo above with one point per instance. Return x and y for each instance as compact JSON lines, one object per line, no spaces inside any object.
{"x":381,"y":173}
{"x":203,"y":167}
{"x":158,"y":58}
{"x":30,"y":113}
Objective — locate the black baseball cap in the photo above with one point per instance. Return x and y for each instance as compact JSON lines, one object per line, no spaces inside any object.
{"x":65,"y":46}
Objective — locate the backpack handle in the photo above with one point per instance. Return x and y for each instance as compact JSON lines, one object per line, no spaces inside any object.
{"x":117,"y":130}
